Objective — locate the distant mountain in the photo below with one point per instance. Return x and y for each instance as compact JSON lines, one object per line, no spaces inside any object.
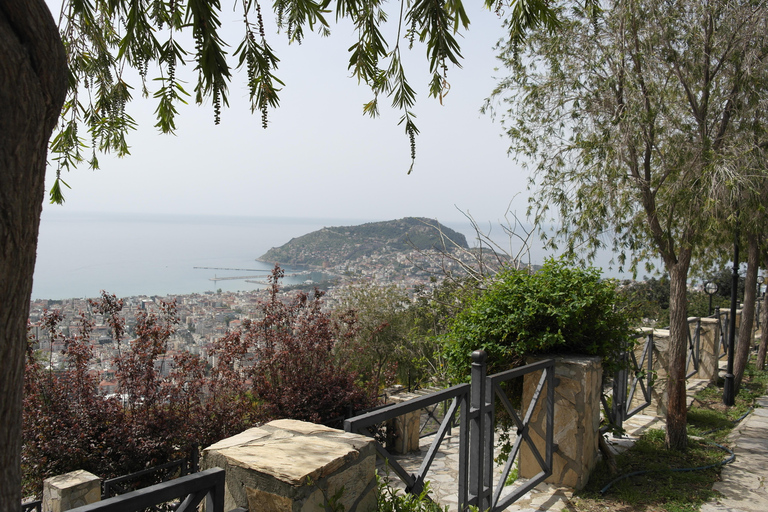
{"x":336,"y":245}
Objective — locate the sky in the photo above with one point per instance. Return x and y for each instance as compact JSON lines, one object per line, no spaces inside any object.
{"x":320,"y":156}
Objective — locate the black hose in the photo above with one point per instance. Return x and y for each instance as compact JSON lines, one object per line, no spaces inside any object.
{"x":675,"y":470}
{"x":735,"y":422}
{"x":679,"y":470}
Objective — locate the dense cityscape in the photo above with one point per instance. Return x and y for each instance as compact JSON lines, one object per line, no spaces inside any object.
{"x":206,"y":317}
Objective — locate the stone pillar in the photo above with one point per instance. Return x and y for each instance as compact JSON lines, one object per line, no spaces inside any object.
{"x":403,"y":431}
{"x":577,"y":421}
{"x":709,"y":348}
{"x":70,"y":490}
{"x":293,"y":466}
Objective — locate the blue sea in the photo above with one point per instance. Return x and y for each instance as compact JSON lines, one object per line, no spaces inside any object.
{"x":80,"y":254}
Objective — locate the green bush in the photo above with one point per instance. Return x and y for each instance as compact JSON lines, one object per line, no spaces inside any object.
{"x":559,"y":309}
{"x":391,"y":499}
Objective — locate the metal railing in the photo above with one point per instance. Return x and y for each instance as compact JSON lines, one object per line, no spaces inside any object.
{"x":190,"y":490}
{"x":164,"y":472}
{"x":458,"y":395}
{"x":624,"y":391}
{"x":482,"y":423}
{"x":723,"y":317}
{"x":636,"y":373}
{"x":32,"y":506}
{"x":474,"y":404}
{"x":694,"y":349}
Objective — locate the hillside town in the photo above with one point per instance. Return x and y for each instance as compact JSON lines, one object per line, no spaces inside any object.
{"x":205,"y":317}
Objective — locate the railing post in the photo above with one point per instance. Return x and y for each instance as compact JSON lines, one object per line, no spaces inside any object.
{"x":489,"y":422}
{"x":464,"y":452}
{"x":552,"y":382}
{"x":619,"y":404}
{"x":478,"y":493}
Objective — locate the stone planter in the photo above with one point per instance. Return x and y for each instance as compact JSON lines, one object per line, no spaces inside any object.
{"x":293,"y":466}
{"x":71,"y":490}
{"x":577,"y":421}
{"x":709,"y":349}
{"x":403,"y":431}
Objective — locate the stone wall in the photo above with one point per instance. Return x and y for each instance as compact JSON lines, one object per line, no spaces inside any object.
{"x":293,"y":466}
{"x":709,"y":349}
{"x":75,"y":489}
{"x":577,"y":421}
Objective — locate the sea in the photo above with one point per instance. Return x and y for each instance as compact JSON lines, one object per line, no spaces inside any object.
{"x":80,"y":254}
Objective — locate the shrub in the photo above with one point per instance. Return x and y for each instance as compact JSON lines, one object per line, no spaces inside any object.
{"x":558,"y":309}
{"x":296,"y":373}
{"x":281,"y":366}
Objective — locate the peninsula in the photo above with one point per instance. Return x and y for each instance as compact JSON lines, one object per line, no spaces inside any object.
{"x":334,"y":246}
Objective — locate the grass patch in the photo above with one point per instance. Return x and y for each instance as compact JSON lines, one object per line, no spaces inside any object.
{"x":658,"y":487}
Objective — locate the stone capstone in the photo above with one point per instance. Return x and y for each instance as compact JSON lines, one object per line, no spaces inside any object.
{"x":294,"y":466}
{"x":75,"y":489}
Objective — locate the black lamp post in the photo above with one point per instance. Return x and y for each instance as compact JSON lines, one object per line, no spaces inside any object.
{"x":729,"y":386}
{"x":710,"y":288}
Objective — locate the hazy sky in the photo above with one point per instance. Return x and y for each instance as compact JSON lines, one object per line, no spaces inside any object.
{"x":320,"y":156}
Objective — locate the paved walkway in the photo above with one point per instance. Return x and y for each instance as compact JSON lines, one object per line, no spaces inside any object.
{"x":743,"y":483}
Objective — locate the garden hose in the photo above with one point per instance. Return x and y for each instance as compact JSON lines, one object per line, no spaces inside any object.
{"x":675,"y":470}
{"x":679,"y":470}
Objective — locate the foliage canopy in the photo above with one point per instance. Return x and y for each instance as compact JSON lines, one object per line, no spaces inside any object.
{"x":558,"y":309}
{"x":636,"y":117}
{"x":104,"y":38}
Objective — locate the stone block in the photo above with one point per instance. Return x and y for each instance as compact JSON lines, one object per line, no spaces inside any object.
{"x":403,"y":431}
{"x":577,"y":421}
{"x":294,"y":466}
{"x":70,"y":490}
{"x":709,"y":348}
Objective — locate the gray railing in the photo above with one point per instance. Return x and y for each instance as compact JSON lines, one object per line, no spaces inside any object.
{"x":190,"y":490}
{"x":633,"y":374}
{"x":126,"y":483}
{"x":723,"y":316}
{"x":482,"y":422}
{"x":32,"y":506}
{"x":637,"y":374}
{"x":474,"y":404}
{"x":432,"y":418}
{"x":694,"y":349}
{"x":459,"y":396}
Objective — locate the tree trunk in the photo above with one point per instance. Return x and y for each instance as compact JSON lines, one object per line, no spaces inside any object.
{"x":747,"y":312}
{"x":677,"y":410}
{"x":760,"y":363}
{"x":33,"y":81}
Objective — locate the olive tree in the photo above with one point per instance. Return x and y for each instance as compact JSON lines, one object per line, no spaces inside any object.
{"x":628,"y":116}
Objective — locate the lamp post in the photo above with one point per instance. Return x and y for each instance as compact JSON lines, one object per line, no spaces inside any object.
{"x":710,"y":288}
{"x":760,"y":300}
{"x":729,"y":385}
